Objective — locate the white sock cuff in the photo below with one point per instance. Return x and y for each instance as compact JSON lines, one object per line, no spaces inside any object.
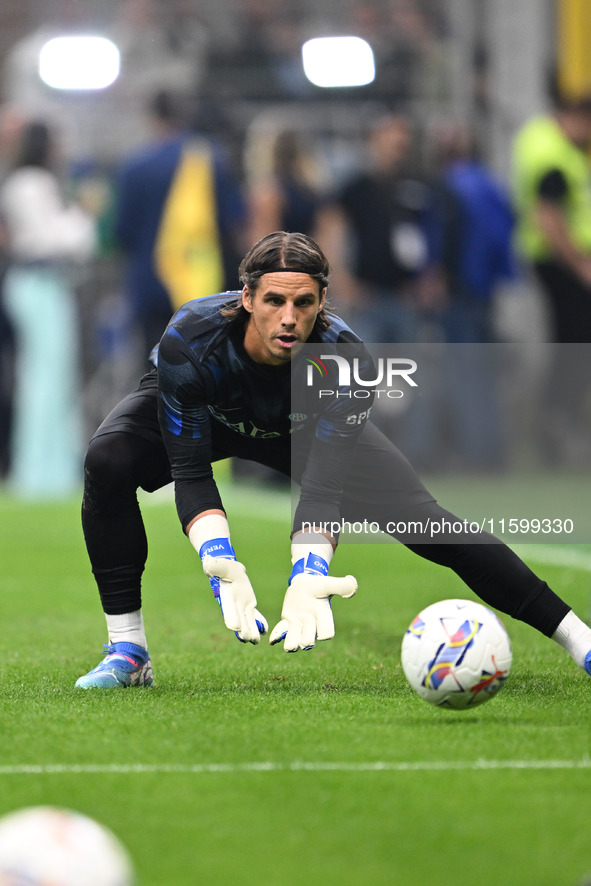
{"x":127,"y":628}
{"x":575,"y":636}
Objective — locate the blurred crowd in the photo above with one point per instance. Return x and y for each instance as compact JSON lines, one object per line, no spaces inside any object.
{"x":115,"y":211}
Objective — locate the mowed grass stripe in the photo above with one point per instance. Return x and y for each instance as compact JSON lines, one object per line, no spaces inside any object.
{"x":298,"y":766}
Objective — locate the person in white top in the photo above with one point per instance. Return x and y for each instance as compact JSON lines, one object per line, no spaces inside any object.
{"x":44,"y":236}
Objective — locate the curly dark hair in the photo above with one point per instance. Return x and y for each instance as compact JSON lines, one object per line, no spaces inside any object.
{"x":282,"y":251}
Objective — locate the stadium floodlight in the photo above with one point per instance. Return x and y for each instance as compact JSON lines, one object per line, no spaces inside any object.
{"x":79,"y":62}
{"x":338,"y":61}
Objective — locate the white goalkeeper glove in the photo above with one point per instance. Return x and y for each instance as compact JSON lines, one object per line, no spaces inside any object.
{"x":307,"y":614}
{"x":233,"y":591}
{"x":229,"y":581}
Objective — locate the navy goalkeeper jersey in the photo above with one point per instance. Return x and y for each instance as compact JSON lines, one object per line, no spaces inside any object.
{"x":205,"y":377}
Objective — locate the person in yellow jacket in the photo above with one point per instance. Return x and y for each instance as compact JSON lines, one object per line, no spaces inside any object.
{"x":552,"y":191}
{"x":552,"y":182}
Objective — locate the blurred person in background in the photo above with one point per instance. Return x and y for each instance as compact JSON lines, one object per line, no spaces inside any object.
{"x":471,"y":235}
{"x":373,"y":232}
{"x":552,"y":185}
{"x":11,"y":124}
{"x":44,"y":236}
{"x":470,"y":229}
{"x":178,"y":211}
{"x":552,"y":180}
{"x":285,"y":191}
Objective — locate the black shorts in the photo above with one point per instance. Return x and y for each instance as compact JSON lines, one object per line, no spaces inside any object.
{"x":382,"y":485}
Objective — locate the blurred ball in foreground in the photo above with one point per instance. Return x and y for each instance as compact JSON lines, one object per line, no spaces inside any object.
{"x":49,"y":846}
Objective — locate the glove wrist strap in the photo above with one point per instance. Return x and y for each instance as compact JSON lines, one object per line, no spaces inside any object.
{"x":310,"y":555}
{"x":312,"y":559}
{"x":210,"y":535}
{"x":217,"y":547}
{"x":312,"y":564}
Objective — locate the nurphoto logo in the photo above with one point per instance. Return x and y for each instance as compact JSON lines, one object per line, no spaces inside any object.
{"x":385,"y":370}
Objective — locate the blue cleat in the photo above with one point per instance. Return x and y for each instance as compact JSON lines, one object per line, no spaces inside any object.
{"x":124,"y":665}
{"x":587,"y":663}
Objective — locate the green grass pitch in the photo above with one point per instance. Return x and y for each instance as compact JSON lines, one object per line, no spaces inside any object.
{"x":246,"y":765}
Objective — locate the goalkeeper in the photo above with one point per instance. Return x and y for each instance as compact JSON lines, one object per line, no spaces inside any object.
{"x":221,"y":387}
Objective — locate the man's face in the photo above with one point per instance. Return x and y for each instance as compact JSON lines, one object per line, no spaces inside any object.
{"x":576,"y":124}
{"x":390,"y":143}
{"x":282,"y":311}
{"x":582,"y":131}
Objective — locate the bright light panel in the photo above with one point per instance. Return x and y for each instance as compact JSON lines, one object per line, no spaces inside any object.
{"x":82,"y":62}
{"x":338,"y":61}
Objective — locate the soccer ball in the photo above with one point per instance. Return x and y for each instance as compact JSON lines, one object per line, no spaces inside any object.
{"x":49,"y":846}
{"x":456,"y":654}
